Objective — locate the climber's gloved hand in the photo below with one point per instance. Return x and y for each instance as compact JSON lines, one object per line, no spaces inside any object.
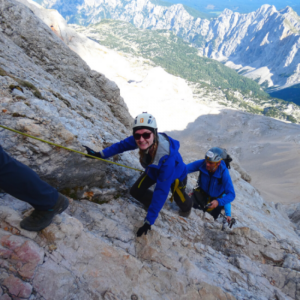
{"x":143,"y":229}
{"x":91,"y":152}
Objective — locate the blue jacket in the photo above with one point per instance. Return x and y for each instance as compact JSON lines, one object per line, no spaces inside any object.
{"x":165,"y":169}
{"x":211,"y":183}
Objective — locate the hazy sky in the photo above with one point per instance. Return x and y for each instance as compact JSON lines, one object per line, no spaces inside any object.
{"x":242,"y":6}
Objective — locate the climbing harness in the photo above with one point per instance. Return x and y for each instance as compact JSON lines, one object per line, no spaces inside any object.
{"x":202,"y":198}
{"x":177,"y":189}
{"x":53,"y":144}
{"x":142,"y":181}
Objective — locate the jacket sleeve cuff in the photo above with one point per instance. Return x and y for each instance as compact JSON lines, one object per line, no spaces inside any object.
{"x":227,"y":210}
{"x":146,"y":222}
{"x":102,"y":154}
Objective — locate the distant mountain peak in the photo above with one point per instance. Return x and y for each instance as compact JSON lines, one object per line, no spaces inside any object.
{"x":231,"y":37}
{"x":288,"y":9}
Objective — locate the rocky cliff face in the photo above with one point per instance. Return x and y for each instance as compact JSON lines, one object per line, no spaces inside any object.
{"x":48,"y":91}
{"x":146,"y":88}
{"x":91,"y":251}
{"x":262,"y":45}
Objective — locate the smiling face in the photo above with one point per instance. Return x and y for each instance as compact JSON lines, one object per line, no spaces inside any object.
{"x":212,"y":166}
{"x":143,"y":143}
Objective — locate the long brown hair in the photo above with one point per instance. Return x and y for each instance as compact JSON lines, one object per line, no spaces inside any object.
{"x":142,"y":153}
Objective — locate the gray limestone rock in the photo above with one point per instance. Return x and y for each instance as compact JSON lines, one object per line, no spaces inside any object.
{"x":63,"y":101}
{"x":291,"y":261}
{"x":284,"y":279}
{"x":245,"y":264}
{"x":18,"y":93}
{"x":242,"y":171}
{"x":281,"y":209}
{"x":295,"y":216}
{"x":169,"y":262}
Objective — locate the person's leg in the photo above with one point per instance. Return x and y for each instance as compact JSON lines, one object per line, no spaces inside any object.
{"x":23,"y":183}
{"x":216,"y":212}
{"x":199,"y":199}
{"x":140,"y":190}
{"x":40,"y":219}
{"x":182,"y":199}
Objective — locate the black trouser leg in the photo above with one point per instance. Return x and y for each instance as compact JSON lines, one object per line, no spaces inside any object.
{"x":181,"y":198}
{"x":199,"y":199}
{"x":215,"y":212}
{"x":23,"y":183}
{"x":140,"y":190}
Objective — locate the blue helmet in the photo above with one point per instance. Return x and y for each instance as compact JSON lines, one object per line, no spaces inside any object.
{"x":215,"y":154}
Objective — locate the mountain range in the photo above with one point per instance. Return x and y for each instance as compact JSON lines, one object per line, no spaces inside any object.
{"x":262,"y":45}
{"x":215,"y":7}
{"x":208,"y":80}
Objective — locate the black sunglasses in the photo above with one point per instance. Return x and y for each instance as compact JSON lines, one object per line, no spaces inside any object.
{"x":145,"y":135}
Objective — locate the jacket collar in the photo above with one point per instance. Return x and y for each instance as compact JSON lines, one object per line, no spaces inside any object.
{"x":162,"y":149}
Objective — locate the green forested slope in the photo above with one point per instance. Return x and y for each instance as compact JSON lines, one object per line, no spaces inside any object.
{"x":171,"y":53}
{"x":162,"y":48}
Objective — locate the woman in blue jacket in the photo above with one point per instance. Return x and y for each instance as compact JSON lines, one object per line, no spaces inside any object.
{"x":163,"y":165}
{"x":214,"y":183}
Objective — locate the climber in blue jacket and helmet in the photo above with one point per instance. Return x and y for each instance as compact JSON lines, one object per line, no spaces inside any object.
{"x":163,"y":165}
{"x":214,"y":183}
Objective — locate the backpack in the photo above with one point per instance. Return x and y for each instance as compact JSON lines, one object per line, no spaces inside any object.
{"x":227,"y":158}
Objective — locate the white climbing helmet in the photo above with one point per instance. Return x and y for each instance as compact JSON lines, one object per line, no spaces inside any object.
{"x":144,"y":121}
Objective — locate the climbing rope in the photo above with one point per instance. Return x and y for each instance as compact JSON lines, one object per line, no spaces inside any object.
{"x":53,"y":144}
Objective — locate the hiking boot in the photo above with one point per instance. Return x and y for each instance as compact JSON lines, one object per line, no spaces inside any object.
{"x":40,"y":219}
{"x":185,"y":214}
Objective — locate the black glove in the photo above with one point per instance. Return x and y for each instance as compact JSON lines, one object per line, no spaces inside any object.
{"x":92,"y":152}
{"x":143,"y":229}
